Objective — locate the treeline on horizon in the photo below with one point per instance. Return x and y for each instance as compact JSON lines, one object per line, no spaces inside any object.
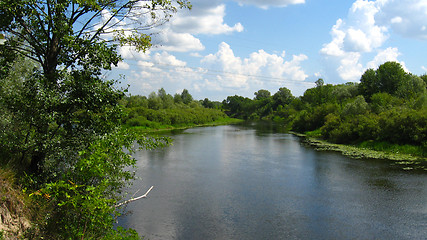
{"x":161,"y":110}
{"x":388,"y":106}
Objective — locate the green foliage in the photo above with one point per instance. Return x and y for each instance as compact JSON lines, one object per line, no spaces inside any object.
{"x":389,"y":105}
{"x":411,"y":87}
{"x":60,"y":119}
{"x":48,"y":123}
{"x":209,"y":104}
{"x":238,"y":106}
{"x":313,"y":118}
{"x":318,"y":95}
{"x":387,"y":79}
{"x":282,"y":97}
{"x":154,"y":101}
{"x":65,"y":96}
{"x":394,"y":148}
{"x":357,"y":128}
{"x":357,"y":107}
{"x":343,"y":92}
{"x":404,"y":126}
{"x":424,"y":78}
{"x":381,"y":102}
{"x":186,"y":97}
{"x":151,"y":118}
{"x":82,"y":203}
{"x":161,"y":111}
{"x":262,"y":94}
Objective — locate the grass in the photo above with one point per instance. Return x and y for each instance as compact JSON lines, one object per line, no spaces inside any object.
{"x":155,"y":127}
{"x":408,"y":156}
{"x":14,"y":202}
{"x":316,"y":133}
{"x":394,"y":148}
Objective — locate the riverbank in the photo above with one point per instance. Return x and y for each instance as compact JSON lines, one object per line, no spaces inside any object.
{"x":15,"y":213}
{"x":408,"y":161}
{"x":159,"y":128}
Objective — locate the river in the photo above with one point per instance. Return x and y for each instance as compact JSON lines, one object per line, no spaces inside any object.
{"x":256,"y":182}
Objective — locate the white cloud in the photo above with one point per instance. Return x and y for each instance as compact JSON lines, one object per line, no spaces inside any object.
{"x":406,"y":17}
{"x":357,"y":37}
{"x":223,"y":73}
{"x":350,"y":68}
{"x":259,"y":69}
{"x":165,"y":58}
{"x":161,"y":69}
{"x":389,"y":54}
{"x":270,"y":3}
{"x":206,"y":17}
{"x":362,"y":33}
{"x":357,"y":41}
{"x":396,"y":20}
{"x":196,"y":54}
{"x":335,"y":47}
{"x":174,"y":41}
{"x":205,"y":20}
{"x":123,"y":65}
{"x":230,"y":66}
{"x":128,"y":52}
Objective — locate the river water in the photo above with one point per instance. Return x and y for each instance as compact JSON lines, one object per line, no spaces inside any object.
{"x":256,"y":182}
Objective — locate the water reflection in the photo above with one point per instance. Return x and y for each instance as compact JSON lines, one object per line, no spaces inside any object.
{"x":254,"y":182}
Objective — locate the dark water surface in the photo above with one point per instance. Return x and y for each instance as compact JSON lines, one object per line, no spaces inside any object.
{"x":253,"y":182}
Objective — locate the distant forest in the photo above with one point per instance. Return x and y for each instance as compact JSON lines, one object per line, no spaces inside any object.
{"x":162,"y":110}
{"x":388,"y":105}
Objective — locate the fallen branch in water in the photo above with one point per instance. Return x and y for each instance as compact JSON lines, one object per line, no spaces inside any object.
{"x":134,"y":199}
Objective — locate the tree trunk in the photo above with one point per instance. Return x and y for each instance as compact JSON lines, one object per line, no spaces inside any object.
{"x":36,"y":162}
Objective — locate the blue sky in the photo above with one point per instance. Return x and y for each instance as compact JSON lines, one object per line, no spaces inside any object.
{"x":236,"y":47}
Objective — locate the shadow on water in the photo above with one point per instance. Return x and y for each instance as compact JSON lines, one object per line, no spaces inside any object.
{"x":254,"y":181}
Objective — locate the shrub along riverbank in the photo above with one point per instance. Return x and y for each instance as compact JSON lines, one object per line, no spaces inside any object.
{"x":405,"y":156}
{"x":386,"y":111}
{"x":161,"y":111}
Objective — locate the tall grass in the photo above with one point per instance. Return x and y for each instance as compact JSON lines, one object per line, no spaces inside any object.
{"x":395,"y":148}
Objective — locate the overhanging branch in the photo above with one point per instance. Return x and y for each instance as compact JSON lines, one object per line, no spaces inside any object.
{"x":134,"y":199}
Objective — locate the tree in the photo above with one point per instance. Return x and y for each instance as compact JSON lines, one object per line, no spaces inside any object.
{"x":207,"y":103}
{"x":177,"y":98}
{"x":75,"y":33}
{"x":186,"y":97}
{"x":162,"y":93}
{"x":320,"y":83}
{"x":368,"y":83}
{"x":412,"y":86}
{"x":84,"y":204}
{"x":62,"y":117}
{"x":154,"y":101}
{"x":282,"y":97}
{"x":66,"y":103}
{"x":387,"y":78}
{"x":238,"y":106}
{"x":424,"y":78}
{"x":262,"y":94}
{"x":167,"y":99}
{"x":318,"y":95}
{"x":135,"y":101}
{"x":390,"y":75}
{"x":356,"y":107}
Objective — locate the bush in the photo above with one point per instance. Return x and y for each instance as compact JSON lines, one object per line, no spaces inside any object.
{"x":403,"y":126}
{"x":179,"y":116}
{"x":82,"y":203}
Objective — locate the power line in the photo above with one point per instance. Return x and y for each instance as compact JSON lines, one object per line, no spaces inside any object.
{"x":206,"y":71}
